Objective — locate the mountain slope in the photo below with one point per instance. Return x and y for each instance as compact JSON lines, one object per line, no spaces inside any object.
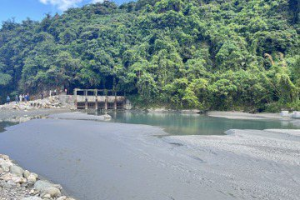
{"x":182,"y":53}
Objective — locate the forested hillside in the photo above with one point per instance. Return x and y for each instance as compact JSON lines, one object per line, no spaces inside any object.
{"x":206,"y":54}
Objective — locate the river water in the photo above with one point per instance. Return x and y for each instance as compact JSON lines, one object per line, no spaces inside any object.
{"x":195,"y":124}
{"x":121,"y":160}
{"x":189,"y":124}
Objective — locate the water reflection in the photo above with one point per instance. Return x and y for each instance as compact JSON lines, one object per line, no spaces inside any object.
{"x":195,"y":124}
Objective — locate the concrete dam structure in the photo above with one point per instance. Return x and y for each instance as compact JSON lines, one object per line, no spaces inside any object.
{"x":100,"y":99}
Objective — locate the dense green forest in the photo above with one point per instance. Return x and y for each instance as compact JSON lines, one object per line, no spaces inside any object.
{"x":206,"y":54}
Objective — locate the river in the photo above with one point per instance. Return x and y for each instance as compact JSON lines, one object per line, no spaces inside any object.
{"x":125,"y":159}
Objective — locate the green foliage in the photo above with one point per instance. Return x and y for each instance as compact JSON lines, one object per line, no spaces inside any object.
{"x":208,"y":54}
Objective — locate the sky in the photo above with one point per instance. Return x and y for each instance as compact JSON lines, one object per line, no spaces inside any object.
{"x":36,"y":9}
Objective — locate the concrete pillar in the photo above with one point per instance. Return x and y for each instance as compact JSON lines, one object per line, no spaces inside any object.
{"x":106,"y":102}
{"x":115,"y":103}
{"x":75,"y":95}
{"x":86,"y":100}
{"x":96,"y":103}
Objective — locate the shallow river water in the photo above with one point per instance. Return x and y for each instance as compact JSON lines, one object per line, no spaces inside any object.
{"x":195,"y":124}
{"x":123,"y":161}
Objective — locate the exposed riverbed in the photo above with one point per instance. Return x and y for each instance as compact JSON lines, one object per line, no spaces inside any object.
{"x":103,"y":160}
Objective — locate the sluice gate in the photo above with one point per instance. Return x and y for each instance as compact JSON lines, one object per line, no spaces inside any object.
{"x":99,"y":99}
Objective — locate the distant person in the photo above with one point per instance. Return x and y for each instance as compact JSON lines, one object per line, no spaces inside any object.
{"x":28,"y":97}
{"x":66,"y":91}
{"x":7,"y":99}
{"x":42,"y":95}
{"x":17,"y":99}
{"x":20,"y":97}
{"x":50,"y":93}
{"x":55,"y":92}
{"x":25,"y":98}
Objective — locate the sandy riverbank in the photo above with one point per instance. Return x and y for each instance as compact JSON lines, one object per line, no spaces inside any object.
{"x":243,"y":115}
{"x":257,"y":164}
{"x":99,"y":160}
{"x":22,"y":115}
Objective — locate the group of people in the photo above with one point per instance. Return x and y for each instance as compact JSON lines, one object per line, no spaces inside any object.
{"x":19,"y":98}
{"x":25,"y":98}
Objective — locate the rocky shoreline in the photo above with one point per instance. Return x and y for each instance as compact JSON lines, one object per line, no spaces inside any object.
{"x":19,"y":184}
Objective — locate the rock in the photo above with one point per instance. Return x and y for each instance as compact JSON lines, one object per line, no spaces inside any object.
{"x":16,"y":170}
{"x":31,"y":179}
{"x":26,"y":173}
{"x":12,"y":177}
{"x":41,"y":185}
{"x":4,"y":157}
{"x":11,"y":183}
{"x":6,"y":177}
{"x":194,"y":111}
{"x":33,"y":192}
{"x":285,"y":114}
{"x":47,"y":196}
{"x":32,"y":198}
{"x":36,"y":176}
{"x":62,"y":198}
{"x":107,"y":117}
{"x":46,"y":187}
{"x":18,"y":179}
{"x":52,"y":191}
{"x":5,"y":165}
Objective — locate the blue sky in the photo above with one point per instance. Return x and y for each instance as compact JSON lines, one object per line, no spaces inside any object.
{"x":36,"y":9}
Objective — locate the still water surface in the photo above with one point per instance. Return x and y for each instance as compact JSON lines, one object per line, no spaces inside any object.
{"x":189,"y":124}
{"x":195,"y":124}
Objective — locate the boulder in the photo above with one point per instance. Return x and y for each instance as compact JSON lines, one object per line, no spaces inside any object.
{"x":42,"y":185}
{"x":52,"y":191}
{"x":5,"y":165}
{"x":16,"y":170}
{"x":4,"y":157}
{"x":13,"y":177}
{"x":18,"y":179}
{"x":26,"y":173}
{"x":31,"y":179}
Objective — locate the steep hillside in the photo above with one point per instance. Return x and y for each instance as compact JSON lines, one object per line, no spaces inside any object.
{"x":208,"y":54}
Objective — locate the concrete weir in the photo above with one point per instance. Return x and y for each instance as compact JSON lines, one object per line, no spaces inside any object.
{"x":99,"y":99}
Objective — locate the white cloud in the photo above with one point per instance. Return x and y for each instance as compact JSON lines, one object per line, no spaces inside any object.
{"x":62,"y":4}
{"x":97,"y":1}
{"x":65,"y":4}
